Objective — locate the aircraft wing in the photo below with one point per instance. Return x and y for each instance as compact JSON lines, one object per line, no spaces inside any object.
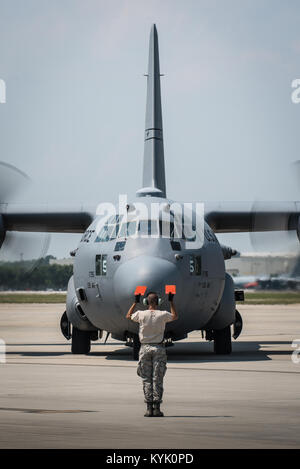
{"x":234,"y":217}
{"x":44,"y":218}
{"x":223,"y":217}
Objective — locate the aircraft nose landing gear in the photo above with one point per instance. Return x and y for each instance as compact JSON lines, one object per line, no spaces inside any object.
{"x":81,"y":341}
{"x":222,"y":341}
{"x":222,"y":337}
{"x":134,"y":342}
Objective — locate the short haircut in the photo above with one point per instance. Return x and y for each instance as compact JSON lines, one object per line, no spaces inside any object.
{"x":152,"y":298}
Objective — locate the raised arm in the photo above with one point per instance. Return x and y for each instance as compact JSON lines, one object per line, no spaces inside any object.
{"x":131,"y":310}
{"x":173,"y":311}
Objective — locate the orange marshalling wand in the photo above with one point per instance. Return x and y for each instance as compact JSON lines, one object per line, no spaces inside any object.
{"x":170,"y":289}
{"x":140,"y":290}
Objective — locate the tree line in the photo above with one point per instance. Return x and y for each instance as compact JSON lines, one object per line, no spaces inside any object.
{"x":34,"y":275}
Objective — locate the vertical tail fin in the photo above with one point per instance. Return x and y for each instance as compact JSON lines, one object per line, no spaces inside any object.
{"x":154,"y":166}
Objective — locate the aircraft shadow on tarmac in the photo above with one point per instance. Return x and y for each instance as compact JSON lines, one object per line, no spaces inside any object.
{"x":199,"y":416}
{"x":199,"y":352}
{"x":196,"y":352}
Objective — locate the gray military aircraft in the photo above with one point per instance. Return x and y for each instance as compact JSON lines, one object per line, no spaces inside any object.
{"x":117,"y":253}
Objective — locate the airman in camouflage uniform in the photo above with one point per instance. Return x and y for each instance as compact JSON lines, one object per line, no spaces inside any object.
{"x":152,"y":368}
{"x":152,"y":357}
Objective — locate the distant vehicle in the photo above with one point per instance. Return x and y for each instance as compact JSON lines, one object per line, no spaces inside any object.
{"x":280,"y":282}
{"x":244,"y":281}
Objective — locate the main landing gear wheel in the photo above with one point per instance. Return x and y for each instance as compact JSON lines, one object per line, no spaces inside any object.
{"x":81,"y":341}
{"x":136,"y":347}
{"x":222,"y":341}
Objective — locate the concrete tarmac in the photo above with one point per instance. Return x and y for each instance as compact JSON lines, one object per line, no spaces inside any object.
{"x":50,"y":398}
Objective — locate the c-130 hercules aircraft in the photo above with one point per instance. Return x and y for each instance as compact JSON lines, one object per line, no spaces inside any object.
{"x":120,"y":252}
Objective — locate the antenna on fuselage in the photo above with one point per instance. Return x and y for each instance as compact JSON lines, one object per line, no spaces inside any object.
{"x":154,"y":182}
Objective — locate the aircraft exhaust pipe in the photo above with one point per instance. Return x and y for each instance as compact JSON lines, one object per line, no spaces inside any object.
{"x":74,"y":311}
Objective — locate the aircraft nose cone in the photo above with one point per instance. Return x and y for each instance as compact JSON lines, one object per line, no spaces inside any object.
{"x":153,"y":272}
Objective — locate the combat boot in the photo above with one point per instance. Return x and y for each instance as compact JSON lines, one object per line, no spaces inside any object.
{"x":156,"y":410}
{"x":149,"y":411}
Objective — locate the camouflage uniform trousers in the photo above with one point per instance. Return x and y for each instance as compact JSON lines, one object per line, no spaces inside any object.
{"x":152,"y":368}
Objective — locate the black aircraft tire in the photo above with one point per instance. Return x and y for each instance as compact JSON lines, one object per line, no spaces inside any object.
{"x":222,"y":341}
{"x":136,"y":347}
{"x":81,"y":341}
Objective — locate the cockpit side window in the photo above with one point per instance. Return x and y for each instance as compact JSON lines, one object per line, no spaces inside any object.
{"x":101,"y":264}
{"x":110,"y":230}
{"x":195,"y":265}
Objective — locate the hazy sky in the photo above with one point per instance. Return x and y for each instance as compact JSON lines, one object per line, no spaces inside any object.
{"x":74,"y":116}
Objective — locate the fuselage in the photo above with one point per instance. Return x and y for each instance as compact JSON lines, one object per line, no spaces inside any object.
{"x":114,"y":257}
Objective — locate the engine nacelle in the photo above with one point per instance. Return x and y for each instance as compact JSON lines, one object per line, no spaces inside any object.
{"x":225,"y":314}
{"x":75,"y":312}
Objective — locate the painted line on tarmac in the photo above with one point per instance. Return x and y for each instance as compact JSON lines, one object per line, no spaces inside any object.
{"x":169,"y":367}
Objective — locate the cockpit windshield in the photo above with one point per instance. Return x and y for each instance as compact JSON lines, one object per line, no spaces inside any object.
{"x":115,"y":228}
{"x":110,"y":230}
{"x":128,"y":229}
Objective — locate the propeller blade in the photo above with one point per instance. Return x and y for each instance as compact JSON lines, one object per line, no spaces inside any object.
{"x":20,"y":246}
{"x":270,"y":241}
{"x":12,"y":181}
{"x":25,"y":247}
